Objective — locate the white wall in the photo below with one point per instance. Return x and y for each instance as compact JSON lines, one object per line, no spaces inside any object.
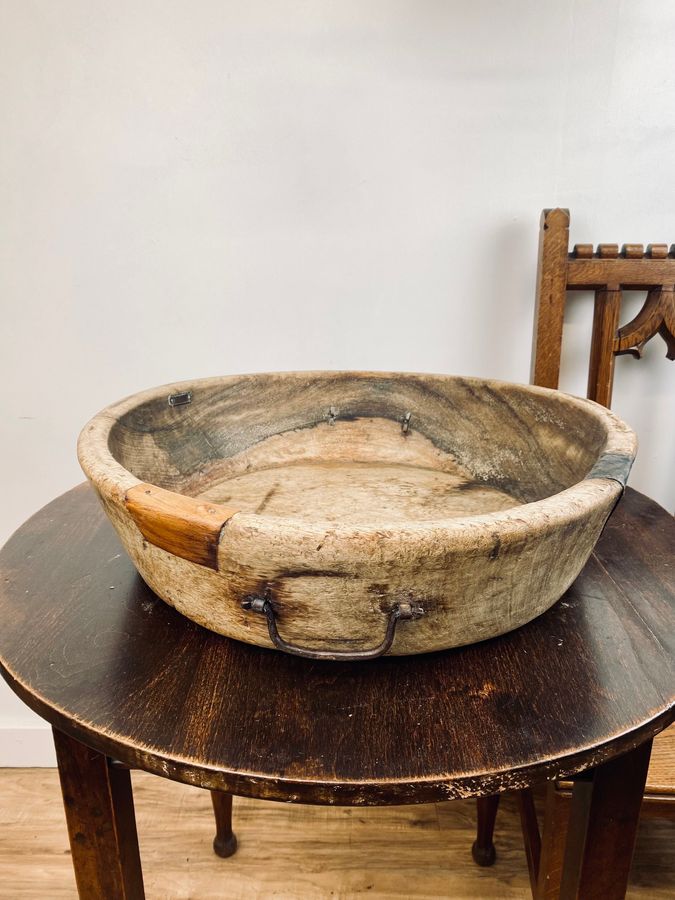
{"x":193,"y":188}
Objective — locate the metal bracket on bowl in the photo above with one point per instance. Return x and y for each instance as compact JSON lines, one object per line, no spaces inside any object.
{"x":615,"y":466}
{"x":180,"y":399}
{"x":404,"y":611}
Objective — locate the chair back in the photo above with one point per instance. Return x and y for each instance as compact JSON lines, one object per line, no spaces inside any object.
{"x":608,"y":271}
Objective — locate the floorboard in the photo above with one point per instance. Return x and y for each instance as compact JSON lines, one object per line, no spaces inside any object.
{"x":297,"y":852}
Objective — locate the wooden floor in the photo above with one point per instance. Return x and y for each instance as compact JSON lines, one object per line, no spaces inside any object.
{"x":287,"y":851}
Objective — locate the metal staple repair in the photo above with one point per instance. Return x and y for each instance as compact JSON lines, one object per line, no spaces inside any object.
{"x":180,"y":399}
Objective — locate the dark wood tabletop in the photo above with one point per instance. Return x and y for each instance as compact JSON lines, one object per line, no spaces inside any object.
{"x":89,"y":647}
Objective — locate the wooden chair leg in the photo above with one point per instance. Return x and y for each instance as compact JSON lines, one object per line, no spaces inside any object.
{"x":603,"y":824}
{"x":225,"y":841}
{"x":101,"y":824}
{"x":483,"y":850}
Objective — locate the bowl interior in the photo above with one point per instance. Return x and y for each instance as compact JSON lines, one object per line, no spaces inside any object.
{"x":371,"y":448}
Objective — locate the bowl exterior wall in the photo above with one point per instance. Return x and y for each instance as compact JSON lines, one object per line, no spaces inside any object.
{"x":471,"y":587}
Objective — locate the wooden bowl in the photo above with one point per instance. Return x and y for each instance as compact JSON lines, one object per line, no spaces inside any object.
{"x":345,"y":515}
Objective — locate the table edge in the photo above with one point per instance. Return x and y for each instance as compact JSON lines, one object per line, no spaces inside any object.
{"x":366,"y":792}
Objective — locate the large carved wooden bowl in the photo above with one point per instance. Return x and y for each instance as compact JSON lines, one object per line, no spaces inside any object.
{"x":348,"y":514}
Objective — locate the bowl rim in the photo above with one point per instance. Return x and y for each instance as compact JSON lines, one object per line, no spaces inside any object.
{"x":604,"y":479}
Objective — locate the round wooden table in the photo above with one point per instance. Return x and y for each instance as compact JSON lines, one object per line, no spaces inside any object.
{"x":122,"y":676}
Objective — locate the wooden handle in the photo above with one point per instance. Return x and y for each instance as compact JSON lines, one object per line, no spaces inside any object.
{"x":180,"y":525}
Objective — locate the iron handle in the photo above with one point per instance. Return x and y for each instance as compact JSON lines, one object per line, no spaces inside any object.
{"x":403,"y":611}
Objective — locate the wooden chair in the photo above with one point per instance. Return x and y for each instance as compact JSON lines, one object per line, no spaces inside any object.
{"x":607,"y":271}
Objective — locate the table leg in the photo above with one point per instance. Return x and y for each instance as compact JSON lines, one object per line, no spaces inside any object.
{"x":556,"y":819}
{"x":531,"y":836}
{"x":101,"y":824}
{"x":602,"y":827}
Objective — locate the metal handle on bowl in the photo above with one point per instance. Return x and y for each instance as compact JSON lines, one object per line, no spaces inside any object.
{"x":404,"y":611}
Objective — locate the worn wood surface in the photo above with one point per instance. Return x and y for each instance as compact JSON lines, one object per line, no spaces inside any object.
{"x":556,"y":815}
{"x":631,"y":274}
{"x":357,"y":493}
{"x":180,"y":525}
{"x":483,"y":850}
{"x":337,"y":496}
{"x":91,"y":649}
{"x":225,"y":840}
{"x":658,"y":802}
{"x":99,"y":809}
{"x":550,"y":299}
{"x":607,"y":272}
{"x":290,"y":852}
{"x":603,"y":824}
{"x":661,"y":775}
{"x":657,"y":316}
{"x":530,"y":829}
{"x":605,"y":326}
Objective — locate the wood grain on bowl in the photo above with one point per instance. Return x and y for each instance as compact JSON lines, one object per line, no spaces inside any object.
{"x":337,"y":498}
{"x":180,"y":525}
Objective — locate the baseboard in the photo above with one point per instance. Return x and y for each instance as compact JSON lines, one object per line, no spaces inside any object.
{"x":26,"y":747}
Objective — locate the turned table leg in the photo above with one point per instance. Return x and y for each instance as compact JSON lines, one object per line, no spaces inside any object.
{"x":101,"y":823}
{"x":225,"y":841}
{"x":602,"y":827}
